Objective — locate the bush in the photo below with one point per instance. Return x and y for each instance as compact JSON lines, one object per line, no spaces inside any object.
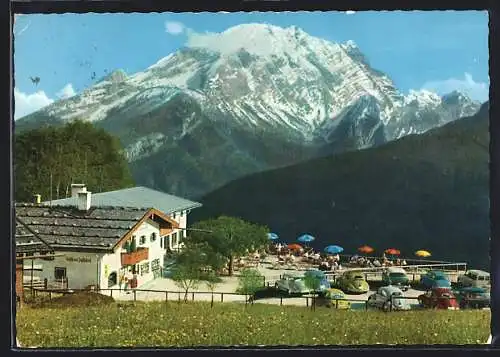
{"x":249,"y":281}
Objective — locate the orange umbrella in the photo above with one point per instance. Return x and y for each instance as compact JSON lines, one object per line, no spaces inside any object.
{"x":294,"y":246}
{"x":392,"y":251}
{"x":366,"y":249}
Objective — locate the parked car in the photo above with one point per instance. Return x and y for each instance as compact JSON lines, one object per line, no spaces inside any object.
{"x":333,"y":298}
{"x":396,"y":277}
{"x":389,"y":298}
{"x":439,"y":298}
{"x":435,"y":279}
{"x":292,"y":284}
{"x":323,"y":283}
{"x":473,"y":298}
{"x":475,"y":278}
{"x":353,"y":282}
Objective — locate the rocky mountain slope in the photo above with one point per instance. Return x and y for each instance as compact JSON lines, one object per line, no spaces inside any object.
{"x":427,"y":191}
{"x":256,"y":98}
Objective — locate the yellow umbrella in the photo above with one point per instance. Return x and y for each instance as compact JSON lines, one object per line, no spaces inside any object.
{"x":422,"y":253}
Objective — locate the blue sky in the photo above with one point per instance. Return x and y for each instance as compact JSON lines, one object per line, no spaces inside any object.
{"x":435,"y":50}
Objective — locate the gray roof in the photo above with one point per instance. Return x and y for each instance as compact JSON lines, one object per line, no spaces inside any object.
{"x":66,"y":227}
{"x":28,"y":241}
{"x":138,"y":197}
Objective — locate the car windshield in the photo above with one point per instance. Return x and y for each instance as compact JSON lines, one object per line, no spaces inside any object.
{"x":398,"y":275}
{"x":479,"y":295}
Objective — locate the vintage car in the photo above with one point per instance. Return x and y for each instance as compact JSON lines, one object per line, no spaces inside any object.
{"x":333,"y":298}
{"x":322,"y":282}
{"x":389,"y":298}
{"x":353,"y":282}
{"x":292,"y":284}
{"x":475,"y":278}
{"x":473,"y":298}
{"x":438,"y":298}
{"x":396,"y":277}
{"x":435,"y":279}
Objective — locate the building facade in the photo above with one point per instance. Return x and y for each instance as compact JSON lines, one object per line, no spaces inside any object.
{"x":98,"y":241}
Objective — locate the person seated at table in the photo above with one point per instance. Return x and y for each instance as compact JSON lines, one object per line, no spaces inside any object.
{"x":377,"y":263}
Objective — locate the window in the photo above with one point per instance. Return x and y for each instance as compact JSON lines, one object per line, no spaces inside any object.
{"x":153,"y":237}
{"x":173,"y":215}
{"x":142,"y":240}
{"x":182,"y":213}
{"x":161,"y":241}
{"x":174,"y":238}
{"x":59,"y":273}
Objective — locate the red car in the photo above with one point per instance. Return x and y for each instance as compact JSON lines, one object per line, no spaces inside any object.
{"x":439,"y":298}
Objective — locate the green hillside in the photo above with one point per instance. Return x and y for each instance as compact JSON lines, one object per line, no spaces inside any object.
{"x":426,"y":191}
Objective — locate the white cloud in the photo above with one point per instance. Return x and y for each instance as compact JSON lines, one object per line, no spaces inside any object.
{"x":350,"y":12}
{"x":475,"y":90}
{"x":174,"y":28}
{"x":66,"y":92}
{"x":28,"y":103}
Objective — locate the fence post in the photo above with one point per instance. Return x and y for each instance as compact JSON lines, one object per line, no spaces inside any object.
{"x":111,"y":290}
{"x":307,"y":301}
{"x":281,"y":300}
{"x":179,"y":296}
{"x":366,"y":305}
{"x":192,"y":296}
{"x":166,"y":296}
{"x":221,"y":297}
{"x":135,"y":297}
{"x":50,"y":295}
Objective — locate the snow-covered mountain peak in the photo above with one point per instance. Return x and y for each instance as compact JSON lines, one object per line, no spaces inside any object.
{"x":422,"y":98}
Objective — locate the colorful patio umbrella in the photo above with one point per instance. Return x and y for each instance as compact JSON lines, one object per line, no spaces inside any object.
{"x":366,"y":249}
{"x":306,"y":238}
{"x":294,"y":246}
{"x":422,"y":253}
{"x":272,"y":236}
{"x":333,"y":249}
{"x":392,"y":251}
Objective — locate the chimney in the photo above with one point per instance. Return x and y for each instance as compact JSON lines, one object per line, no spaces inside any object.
{"x":77,"y":188}
{"x":37,"y":198}
{"x":84,"y":200}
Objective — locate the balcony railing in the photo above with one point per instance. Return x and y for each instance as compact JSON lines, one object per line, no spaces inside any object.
{"x":135,"y":257}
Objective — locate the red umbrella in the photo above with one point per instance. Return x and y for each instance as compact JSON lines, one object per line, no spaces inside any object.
{"x":366,"y":249}
{"x":294,"y":246}
{"x":392,"y":251}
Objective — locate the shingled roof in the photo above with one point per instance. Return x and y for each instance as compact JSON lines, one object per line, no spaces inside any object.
{"x":134,"y":197}
{"x":28,"y":241}
{"x":66,"y":227}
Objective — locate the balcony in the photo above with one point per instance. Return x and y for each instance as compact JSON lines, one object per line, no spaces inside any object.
{"x":135,"y":257}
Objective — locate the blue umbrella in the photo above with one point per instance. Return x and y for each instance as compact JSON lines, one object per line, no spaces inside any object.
{"x":333,"y":249}
{"x":306,"y":238}
{"x":272,"y":236}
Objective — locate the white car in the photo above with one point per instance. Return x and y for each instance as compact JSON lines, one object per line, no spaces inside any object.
{"x":475,"y":279}
{"x":292,"y":284}
{"x":386,"y":298}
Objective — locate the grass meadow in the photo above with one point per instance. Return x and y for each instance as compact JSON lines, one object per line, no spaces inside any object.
{"x":191,"y":324}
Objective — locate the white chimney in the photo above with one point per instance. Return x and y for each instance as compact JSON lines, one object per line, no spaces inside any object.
{"x":84,"y":200}
{"x":77,"y":188}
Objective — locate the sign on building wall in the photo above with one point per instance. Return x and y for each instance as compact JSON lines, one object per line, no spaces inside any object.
{"x":78,"y":259}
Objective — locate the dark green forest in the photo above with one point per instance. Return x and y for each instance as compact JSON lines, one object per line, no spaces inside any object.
{"x":49,"y":159}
